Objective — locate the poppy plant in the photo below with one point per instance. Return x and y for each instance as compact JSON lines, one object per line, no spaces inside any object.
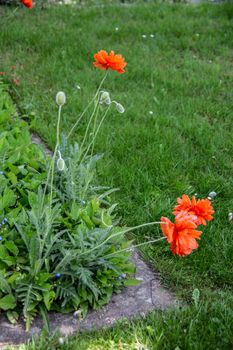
{"x":106,"y":61}
{"x":201,"y":208}
{"x":27,"y":3}
{"x":182,"y":234}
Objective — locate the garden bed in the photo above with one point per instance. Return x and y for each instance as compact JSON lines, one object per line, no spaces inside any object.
{"x":132,"y":302}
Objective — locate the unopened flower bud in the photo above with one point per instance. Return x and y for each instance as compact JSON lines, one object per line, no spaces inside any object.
{"x":105,"y":98}
{"x":108,"y":101}
{"x":60,"y":98}
{"x":120,"y":108}
{"x":60,"y":163}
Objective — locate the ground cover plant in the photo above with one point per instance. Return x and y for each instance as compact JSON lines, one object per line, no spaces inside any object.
{"x":176,"y":135}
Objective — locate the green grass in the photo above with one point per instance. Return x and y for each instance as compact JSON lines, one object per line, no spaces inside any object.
{"x":209,"y":325}
{"x":184,"y":75}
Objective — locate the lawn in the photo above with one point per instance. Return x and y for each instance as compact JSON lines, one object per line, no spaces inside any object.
{"x":175,"y":137}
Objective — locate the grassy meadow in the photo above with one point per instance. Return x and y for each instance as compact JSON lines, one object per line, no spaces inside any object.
{"x":175,"y":137}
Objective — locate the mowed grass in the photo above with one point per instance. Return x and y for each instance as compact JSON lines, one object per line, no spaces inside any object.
{"x":184,"y":76}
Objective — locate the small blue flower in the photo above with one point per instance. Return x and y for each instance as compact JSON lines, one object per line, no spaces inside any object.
{"x":1,"y":172}
{"x":58,"y":275}
{"x":4,"y":221}
{"x":0,"y":238}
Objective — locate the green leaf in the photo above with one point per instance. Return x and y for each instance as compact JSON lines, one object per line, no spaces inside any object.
{"x":75,"y":211}
{"x":42,"y":277}
{"x":32,"y":199}
{"x":14,"y":277}
{"x":13,"y":215}
{"x":13,"y":178}
{"x":12,"y":316}
{"x":4,"y":285}
{"x":12,"y":247}
{"x":5,"y":257}
{"x":87,"y":219}
{"x":8,"y":199}
{"x":7,"y":302}
{"x":131,"y":282}
{"x":48,"y":298}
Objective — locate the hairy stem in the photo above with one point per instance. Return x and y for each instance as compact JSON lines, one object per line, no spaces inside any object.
{"x":93,"y":99}
{"x":134,"y":246}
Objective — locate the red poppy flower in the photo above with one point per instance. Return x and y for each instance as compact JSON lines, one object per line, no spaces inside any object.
{"x":181,"y":235}
{"x":201,"y":208}
{"x":105,"y":61}
{"x":27,"y":3}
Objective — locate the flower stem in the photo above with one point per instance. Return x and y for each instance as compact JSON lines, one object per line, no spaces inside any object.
{"x":95,"y":135}
{"x":93,"y":99}
{"x":54,"y":154}
{"x":134,"y":246}
{"x":120,"y":233}
{"x":89,"y":123}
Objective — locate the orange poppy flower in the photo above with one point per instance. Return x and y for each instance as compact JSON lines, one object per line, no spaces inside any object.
{"x":105,"y":61}
{"x":201,"y":208}
{"x":27,"y":3}
{"x":182,"y":235}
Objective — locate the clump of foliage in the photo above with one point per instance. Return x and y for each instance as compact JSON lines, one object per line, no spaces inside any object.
{"x":60,"y":246}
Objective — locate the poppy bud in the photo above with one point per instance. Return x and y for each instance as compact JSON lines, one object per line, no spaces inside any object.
{"x":105,"y":98}
{"x":60,"y":98}
{"x":60,"y":163}
{"x":120,"y":108}
{"x":108,"y":101}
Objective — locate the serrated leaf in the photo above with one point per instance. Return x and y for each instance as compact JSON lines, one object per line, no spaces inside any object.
{"x":75,"y":209}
